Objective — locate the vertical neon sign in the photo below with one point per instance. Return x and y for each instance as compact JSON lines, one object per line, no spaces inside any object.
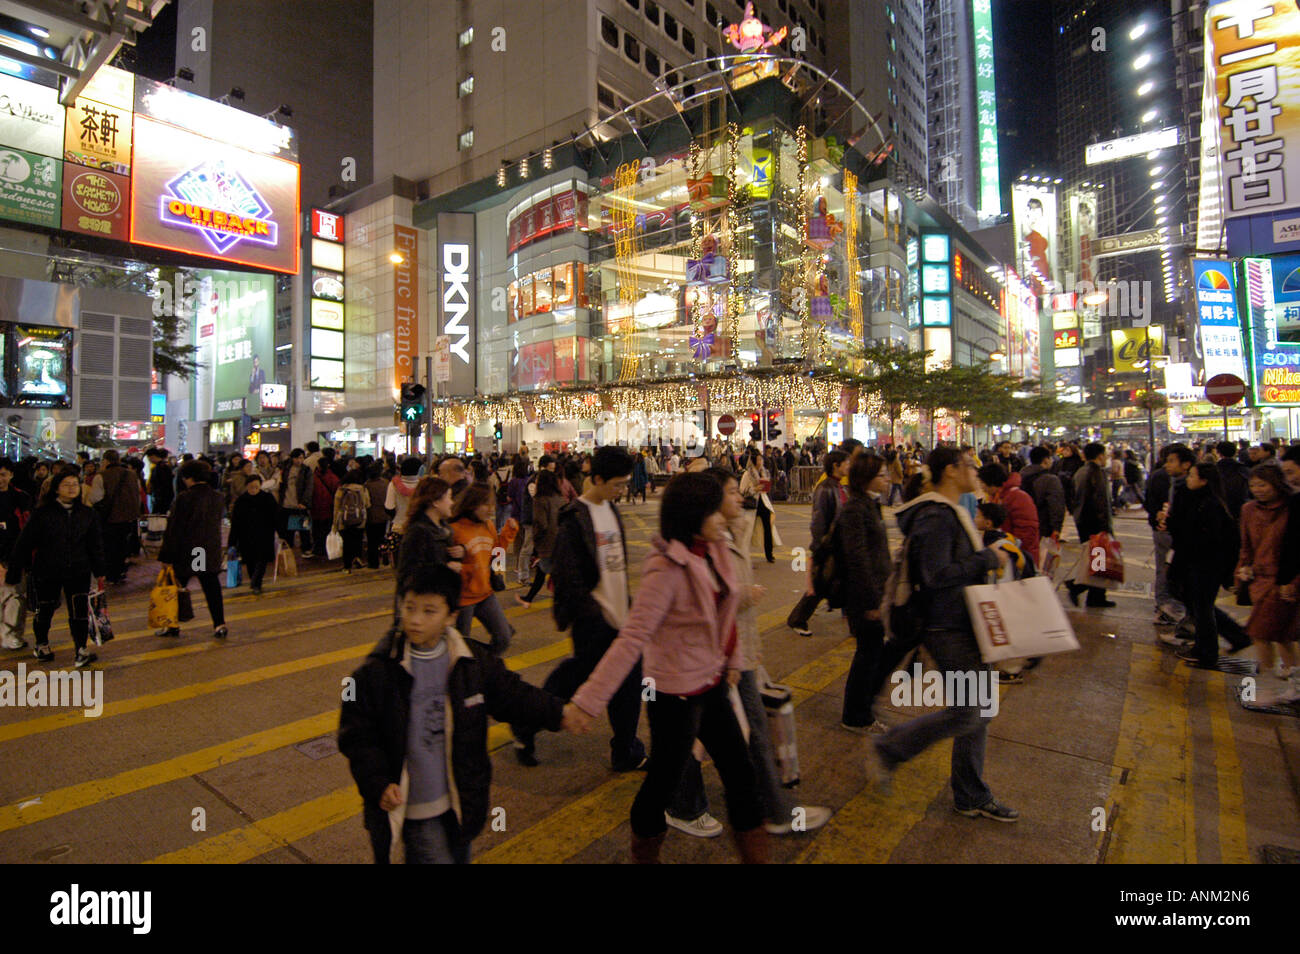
{"x":986,"y":103}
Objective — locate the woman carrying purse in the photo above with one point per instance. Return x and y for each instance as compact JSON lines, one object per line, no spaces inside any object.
{"x":754,"y":486}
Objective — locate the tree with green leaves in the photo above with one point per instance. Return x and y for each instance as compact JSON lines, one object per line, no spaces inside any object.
{"x":896,"y":376}
{"x":172,"y":352}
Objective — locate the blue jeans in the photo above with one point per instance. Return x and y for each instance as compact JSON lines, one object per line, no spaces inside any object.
{"x":428,"y":841}
{"x":1165,"y":599}
{"x":690,"y":802}
{"x":493,"y":617}
{"x":953,"y":651}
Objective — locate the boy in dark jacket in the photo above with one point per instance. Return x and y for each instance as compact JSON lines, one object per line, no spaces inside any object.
{"x":415,"y":720}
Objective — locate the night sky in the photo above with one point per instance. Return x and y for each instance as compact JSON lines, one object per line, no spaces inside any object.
{"x":1022,"y":34}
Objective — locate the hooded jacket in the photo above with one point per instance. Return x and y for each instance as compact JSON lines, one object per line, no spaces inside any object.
{"x":373,"y":724}
{"x":1022,"y":515}
{"x":398,"y":499}
{"x":678,"y":627}
{"x":946,"y":555}
{"x":575,"y":569}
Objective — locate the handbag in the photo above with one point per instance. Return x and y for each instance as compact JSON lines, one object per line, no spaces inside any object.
{"x":184,"y":605}
{"x":334,"y":545}
{"x":285,"y":560}
{"x":1105,"y":557}
{"x":101,"y":627}
{"x":232,"y":571}
{"x":13,"y":610}
{"x":298,"y":521}
{"x":1018,"y":619}
{"x":778,"y":703}
{"x":163,"y":600}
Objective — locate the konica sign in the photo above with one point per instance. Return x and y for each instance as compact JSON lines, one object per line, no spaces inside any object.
{"x":1222,"y":350}
{"x":456,"y":287}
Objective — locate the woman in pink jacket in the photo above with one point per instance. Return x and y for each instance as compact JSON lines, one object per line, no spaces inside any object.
{"x":682,"y":627}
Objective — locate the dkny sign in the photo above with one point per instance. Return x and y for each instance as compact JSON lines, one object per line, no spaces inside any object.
{"x":457,"y":279}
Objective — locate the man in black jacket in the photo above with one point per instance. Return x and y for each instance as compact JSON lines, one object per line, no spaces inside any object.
{"x":945,"y":555}
{"x":162,"y":486}
{"x":1092,"y":514}
{"x":589,"y":569}
{"x":15,"y":509}
{"x":424,"y":673}
{"x":827,"y":498}
{"x":192,"y":542}
{"x":1047,"y":492}
{"x":1236,"y":483}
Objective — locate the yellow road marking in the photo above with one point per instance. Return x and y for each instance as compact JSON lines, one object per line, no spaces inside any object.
{"x":73,"y":797}
{"x":1233,"y":847}
{"x":1156,"y":822}
{"x":270,"y":833}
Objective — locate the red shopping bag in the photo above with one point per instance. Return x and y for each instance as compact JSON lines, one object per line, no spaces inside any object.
{"x":1105,"y":557}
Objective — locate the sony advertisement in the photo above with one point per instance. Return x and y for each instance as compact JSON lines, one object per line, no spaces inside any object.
{"x":457,"y":282}
{"x":1273,"y":309}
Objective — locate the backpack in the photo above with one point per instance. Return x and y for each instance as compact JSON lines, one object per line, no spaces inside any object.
{"x":503,"y":492}
{"x":352,"y":510}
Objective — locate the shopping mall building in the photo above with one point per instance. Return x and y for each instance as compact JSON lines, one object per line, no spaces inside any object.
{"x":643,"y":281}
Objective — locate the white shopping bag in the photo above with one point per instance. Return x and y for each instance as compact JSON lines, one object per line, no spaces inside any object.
{"x":334,"y":545}
{"x":1018,"y":619}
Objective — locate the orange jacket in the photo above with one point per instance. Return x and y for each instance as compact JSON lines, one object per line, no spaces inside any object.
{"x":479,"y":539}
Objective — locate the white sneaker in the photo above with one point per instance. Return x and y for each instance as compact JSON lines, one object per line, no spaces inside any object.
{"x":706,"y":826}
{"x":1172,"y":639}
{"x":814,"y":817}
{"x":9,"y":641}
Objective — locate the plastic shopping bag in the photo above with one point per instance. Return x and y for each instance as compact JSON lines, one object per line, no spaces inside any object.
{"x":334,"y":545}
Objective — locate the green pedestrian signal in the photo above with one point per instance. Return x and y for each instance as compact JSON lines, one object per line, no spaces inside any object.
{"x":412,"y":402}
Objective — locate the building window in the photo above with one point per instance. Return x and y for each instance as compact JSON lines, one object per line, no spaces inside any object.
{"x":466,"y":37}
{"x":634,"y":4}
{"x":466,"y":140}
{"x":466,"y":87}
{"x":609,"y":32}
{"x":652,"y":62}
{"x":670,"y":26}
{"x":631,"y":48}
{"x":711,"y":14}
{"x":605,"y":97}
{"x":688,"y":41}
{"x":652,"y":11}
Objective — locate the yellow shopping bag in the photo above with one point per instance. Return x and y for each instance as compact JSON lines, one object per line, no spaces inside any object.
{"x":164,"y":603}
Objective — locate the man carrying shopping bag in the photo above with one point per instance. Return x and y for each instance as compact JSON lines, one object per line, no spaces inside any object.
{"x":946,"y":555}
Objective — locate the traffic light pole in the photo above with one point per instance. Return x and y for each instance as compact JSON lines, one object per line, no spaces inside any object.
{"x":431,"y":393}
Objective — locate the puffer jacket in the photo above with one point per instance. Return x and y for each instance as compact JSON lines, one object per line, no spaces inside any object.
{"x":1022,"y":515}
{"x":195,"y":523}
{"x":677,"y":627}
{"x":373,"y":724}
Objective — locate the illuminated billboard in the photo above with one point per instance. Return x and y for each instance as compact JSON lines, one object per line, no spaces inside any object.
{"x":986,"y":105}
{"x":42,"y":359}
{"x":1220,"y":327}
{"x":1083,"y":232}
{"x":197,"y":195}
{"x":1273,"y":308}
{"x":235,"y":332}
{"x":1033,"y":211}
{"x":1253,"y":67}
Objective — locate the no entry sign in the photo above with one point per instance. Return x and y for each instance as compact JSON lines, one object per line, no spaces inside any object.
{"x":726,"y":425}
{"x":1225,"y":390}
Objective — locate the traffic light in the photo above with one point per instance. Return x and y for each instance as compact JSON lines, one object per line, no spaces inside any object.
{"x":497,"y":432}
{"x":412,"y":402}
{"x":755,"y":431}
{"x":773,"y":425}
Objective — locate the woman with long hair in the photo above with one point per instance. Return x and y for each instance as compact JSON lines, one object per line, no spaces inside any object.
{"x":682,"y":627}
{"x":63,"y":547}
{"x":1273,"y":621}
{"x":473,"y":528}
{"x":754,"y":485}
{"x":427,"y":541}
{"x":863,"y":551}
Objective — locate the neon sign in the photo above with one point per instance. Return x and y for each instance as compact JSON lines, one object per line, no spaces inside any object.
{"x":751,"y":34}
{"x":216,"y":201}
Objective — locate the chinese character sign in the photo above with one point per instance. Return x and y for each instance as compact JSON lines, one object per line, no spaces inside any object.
{"x":1222,"y":349}
{"x":990,"y":201}
{"x":1253,"y":57}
